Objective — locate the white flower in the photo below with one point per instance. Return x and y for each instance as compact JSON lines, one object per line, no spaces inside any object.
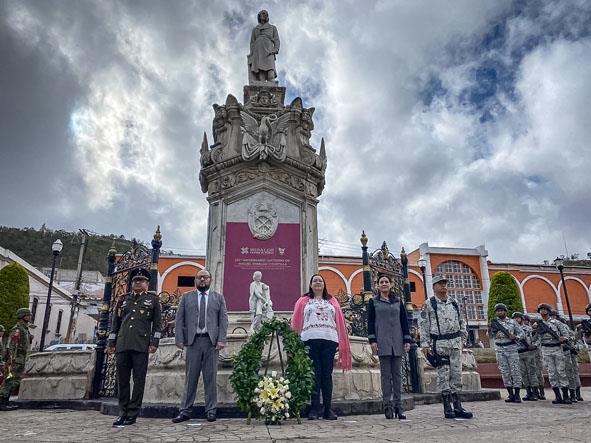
{"x":262,"y":410}
{"x":287,"y":415}
{"x":273,"y":374}
{"x":288,"y":394}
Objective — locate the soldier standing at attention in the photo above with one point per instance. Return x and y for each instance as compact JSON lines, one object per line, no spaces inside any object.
{"x":135,"y":332}
{"x":442,"y":333}
{"x":527,"y":359}
{"x":538,"y":360}
{"x":551,"y":334}
{"x":584,"y":334}
{"x":571,"y":365}
{"x":506,"y":333}
{"x":16,"y":355}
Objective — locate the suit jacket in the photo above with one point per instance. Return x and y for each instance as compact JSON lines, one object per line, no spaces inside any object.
{"x":387,"y":325}
{"x":187,"y":317}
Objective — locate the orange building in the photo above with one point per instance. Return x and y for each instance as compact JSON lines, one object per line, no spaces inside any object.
{"x":468,"y":270}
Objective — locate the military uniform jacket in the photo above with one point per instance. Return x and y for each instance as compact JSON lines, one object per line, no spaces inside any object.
{"x":18,"y":344}
{"x":547,"y":339}
{"x":136,"y":322}
{"x":502,"y":342}
{"x":585,"y":331}
{"x":450,"y":322}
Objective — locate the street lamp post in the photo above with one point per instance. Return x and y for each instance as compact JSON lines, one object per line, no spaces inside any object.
{"x":56,"y":248}
{"x":559,"y":263}
{"x":423,"y":267}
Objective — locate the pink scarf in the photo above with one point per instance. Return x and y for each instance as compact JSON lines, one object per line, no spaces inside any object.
{"x":297,"y":323}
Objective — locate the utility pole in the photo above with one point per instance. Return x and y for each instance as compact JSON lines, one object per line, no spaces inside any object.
{"x":76,"y":300}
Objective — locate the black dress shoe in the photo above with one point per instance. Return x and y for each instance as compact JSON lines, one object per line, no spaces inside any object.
{"x":388,"y":412}
{"x":120,"y":421}
{"x":313,"y":414}
{"x":181,"y":418}
{"x":129,"y":421}
{"x":329,"y":415}
{"x":211,"y":416}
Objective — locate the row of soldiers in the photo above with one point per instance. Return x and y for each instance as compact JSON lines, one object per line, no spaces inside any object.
{"x":13,"y":356}
{"x":525,"y":347}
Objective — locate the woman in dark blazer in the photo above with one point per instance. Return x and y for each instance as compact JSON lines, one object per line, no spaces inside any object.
{"x":389,"y":336}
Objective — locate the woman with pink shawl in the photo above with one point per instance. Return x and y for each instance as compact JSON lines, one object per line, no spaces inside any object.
{"x":318,"y":318}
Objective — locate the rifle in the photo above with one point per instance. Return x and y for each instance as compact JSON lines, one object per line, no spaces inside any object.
{"x":496,"y":326}
{"x":586,"y":325}
{"x":547,"y":329}
{"x":8,"y":366}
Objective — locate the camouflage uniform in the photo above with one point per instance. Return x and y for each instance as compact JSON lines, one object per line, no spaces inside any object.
{"x":552,"y":353}
{"x":507,"y":355}
{"x":571,"y":365}
{"x":527,"y":360}
{"x":16,"y":355}
{"x":449,"y":377}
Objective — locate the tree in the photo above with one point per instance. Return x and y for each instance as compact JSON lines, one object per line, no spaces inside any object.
{"x":503,"y":289}
{"x":14,"y":293}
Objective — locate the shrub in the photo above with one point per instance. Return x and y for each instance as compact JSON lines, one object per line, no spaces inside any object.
{"x":14,"y":293}
{"x":503,"y":289}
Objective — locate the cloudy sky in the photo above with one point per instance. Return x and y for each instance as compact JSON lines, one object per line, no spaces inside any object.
{"x":454,"y":122}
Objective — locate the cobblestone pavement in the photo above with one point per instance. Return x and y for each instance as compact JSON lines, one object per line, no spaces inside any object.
{"x":494,"y":421}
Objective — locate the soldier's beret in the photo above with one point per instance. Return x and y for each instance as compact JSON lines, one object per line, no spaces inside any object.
{"x":502,"y":306}
{"x":439,"y":278}
{"x":22,"y":312}
{"x":517,"y":315}
{"x":139,"y":273}
{"x":2,"y":328}
{"x":587,"y":308}
{"x":544,"y":306}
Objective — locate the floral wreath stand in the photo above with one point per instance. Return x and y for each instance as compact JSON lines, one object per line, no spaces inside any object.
{"x":269,"y":398}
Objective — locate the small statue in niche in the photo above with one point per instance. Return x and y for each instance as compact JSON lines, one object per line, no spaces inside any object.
{"x":306,"y":127}
{"x":261,"y":306}
{"x":221,"y":125}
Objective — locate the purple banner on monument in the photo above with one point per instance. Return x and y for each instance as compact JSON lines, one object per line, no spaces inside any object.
{"x":277,"y":258}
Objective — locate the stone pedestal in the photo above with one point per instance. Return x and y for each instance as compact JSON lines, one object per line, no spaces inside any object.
{"x":263,"y":179}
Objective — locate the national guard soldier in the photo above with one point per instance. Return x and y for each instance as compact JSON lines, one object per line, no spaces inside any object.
{"x":2,"y":352}
{"x":552,"y":335}
{"x":16,"y":356}
{"x":527,"y":359}
{"x":584,"y":335}
{"x":539,"y":361}
{"x":506,"y":333}
{"x":571,"y":365}
{"x":135,"y":332}
{"x":442,"y":333}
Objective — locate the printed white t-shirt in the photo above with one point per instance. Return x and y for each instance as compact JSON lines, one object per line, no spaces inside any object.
{"x":319,"y":321}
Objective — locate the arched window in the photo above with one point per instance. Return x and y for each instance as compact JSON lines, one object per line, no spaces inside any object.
{"x":464,"y":285}
{"x":34,"y":309}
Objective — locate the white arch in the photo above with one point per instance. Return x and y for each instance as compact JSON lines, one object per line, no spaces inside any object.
{"x":357,"y":271}
{"x":339,"y":273}
{"x":521,"y":294}
{"x":418,"y":274}
{"x":556,"y":294}
{"x":173,"y":267}
{"x":577,"y":279}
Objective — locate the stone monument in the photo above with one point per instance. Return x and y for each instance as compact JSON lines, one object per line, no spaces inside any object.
{"x":262,"y":178}
{"x":261,"y":306}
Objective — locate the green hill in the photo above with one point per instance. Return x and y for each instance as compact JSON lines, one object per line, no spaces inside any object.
{"x":34,"y":246}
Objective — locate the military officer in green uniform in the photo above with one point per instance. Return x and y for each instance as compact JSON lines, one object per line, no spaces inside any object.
{"x":135,"y":332}
{"x":16,"y":356}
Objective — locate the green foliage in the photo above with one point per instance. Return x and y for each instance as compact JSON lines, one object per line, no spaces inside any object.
{"x":503,"y":289}
{"x":34,"y":247}
{"x":247,"y":364}
{"x":14,"y":293}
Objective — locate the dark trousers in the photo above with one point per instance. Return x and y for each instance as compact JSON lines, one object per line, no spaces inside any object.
{"x":390,"y":367}
{"x":322,"y":353}
{"x":129,"y":362}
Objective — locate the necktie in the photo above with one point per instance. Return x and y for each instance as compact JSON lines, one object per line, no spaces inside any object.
{"x":201,"y":322}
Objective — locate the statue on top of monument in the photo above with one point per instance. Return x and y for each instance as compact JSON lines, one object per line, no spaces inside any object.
{"x":261,"y":306}
{"x":264,"y":46}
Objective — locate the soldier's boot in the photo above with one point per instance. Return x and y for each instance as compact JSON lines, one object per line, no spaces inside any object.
{"x":558,"y":400}
{"x":535,"y":393}
{"x":447,"y":409}
{"x":565,"y":396}
{"x":578,"y":392}
{"x":4,"y":406}
{"x":573,"y":396}
{"x":517,"y":397}
{"x":511,"y":397}
{"x":458,"y":408}
{"x":541,"y":393}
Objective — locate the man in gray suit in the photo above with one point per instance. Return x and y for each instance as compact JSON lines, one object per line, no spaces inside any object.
{"x":201,"y":328}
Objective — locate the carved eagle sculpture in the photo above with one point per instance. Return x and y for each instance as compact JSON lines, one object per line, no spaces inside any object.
{"x":264,"y":139}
